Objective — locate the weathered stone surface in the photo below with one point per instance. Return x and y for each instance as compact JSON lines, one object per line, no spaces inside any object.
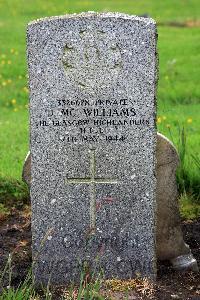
{"x":92,"y":97}
{"x":169,"y":237}
{"x":170,"y":243}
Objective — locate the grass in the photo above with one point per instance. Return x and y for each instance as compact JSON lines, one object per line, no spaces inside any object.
{"x":25,"y":291}
{"x":167,"y":10}
{"x":178,"y":89}
{"x":91,"y":286}
{"x":172,"y":123}
{"x":189,"y":209}
{"x":14,"y":137}
{"x":179,"y":76}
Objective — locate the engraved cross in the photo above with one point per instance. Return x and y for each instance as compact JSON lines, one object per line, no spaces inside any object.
{"x":92,"y":181}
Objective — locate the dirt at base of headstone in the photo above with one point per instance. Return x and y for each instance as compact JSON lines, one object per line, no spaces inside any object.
{"x":15,"y":237}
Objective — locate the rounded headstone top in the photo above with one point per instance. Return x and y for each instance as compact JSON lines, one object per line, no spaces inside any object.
{"x":93,"y":15}
{"x":166,"y":152}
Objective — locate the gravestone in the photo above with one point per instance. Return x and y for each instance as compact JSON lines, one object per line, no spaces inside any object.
{"x":92,"y":84}
{"x":170,"y":244}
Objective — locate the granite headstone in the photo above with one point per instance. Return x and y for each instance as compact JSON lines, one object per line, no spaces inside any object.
{"x":170,"y":244}
{"x":93,"y":142}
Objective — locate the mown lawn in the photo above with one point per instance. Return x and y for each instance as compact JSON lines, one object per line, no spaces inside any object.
{"x":178,"y":89}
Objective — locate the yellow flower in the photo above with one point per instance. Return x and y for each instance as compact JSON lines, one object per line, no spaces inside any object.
{"x":9,"y":62}
{"x":25,"y":89}
{"x":159,"y":120}
{"x":189,"y":120}
{"x":166,"y":77}
{"x":3,"y":56}
{"x":4,"y":83}
{"x":20,"y":76}
{"x":15,"y":109}
{"x":168,"y":125}
{"x":3,"y":62}
{"x":164,"y":118}
{"x":12,"y":50}
{"x":16,"y":52}
{"x":13,"y":101}
{"x":9,"y":80}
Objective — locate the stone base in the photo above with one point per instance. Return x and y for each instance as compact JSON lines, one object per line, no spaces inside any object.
{"x":185,"y":263}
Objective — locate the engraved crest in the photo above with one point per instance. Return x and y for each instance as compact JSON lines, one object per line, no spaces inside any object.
{"x":93,"y":60}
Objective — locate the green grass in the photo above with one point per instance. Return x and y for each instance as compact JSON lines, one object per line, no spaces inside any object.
{"x":89,"y":287}
{"x":14,"y":137}
{"x":189,"y":210}
{"x":172,"y":119}
{"x":178,"y":88}
{"x":92,"y":285}
{"x":160,"y":10}
{"x":179,"y":56}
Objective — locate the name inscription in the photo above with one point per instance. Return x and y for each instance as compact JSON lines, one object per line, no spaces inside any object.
{"x":90,"y":122}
